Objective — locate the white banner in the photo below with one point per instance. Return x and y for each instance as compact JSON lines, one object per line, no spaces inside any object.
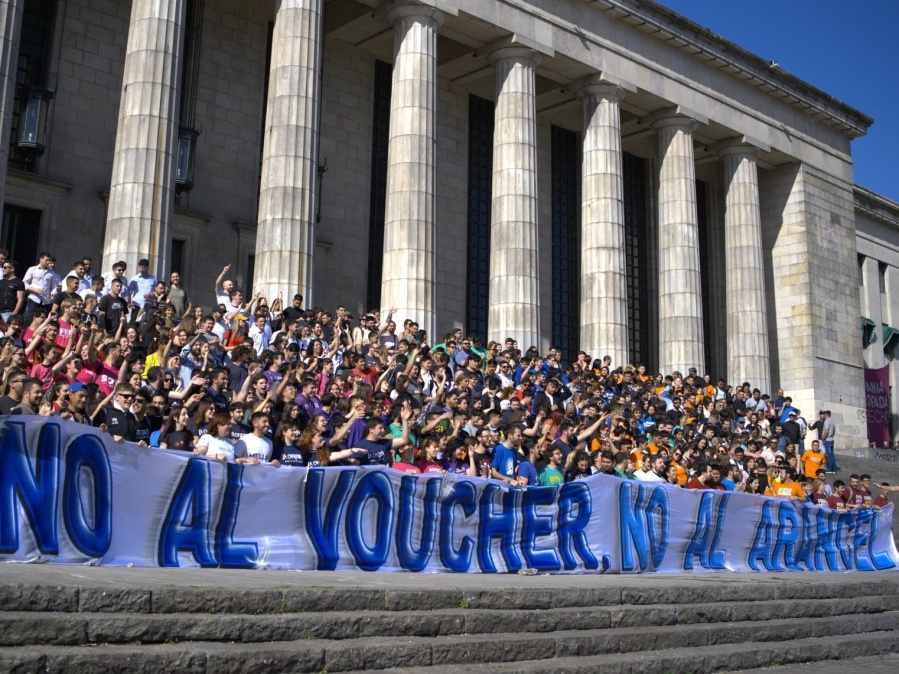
{"x":69,"y":495}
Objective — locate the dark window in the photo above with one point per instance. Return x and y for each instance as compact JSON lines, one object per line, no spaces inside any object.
{"x":882,"y":274}
{"x":177,"y":262}
{"x":480,"y":178}
{"x":379,"y":141}
{"x":861,"y":269}
{"x":566,"y":277}
{"x":636,"y":257}
{"x":270,"y":40}
{"x":702,"y":219}
{"x":251,"y":267}
{"x":21,"y":230}
{"x":33,"y":65}
{"x":190,"y":63}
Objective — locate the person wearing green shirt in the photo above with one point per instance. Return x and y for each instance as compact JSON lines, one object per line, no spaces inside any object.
{"x":551,"y":475}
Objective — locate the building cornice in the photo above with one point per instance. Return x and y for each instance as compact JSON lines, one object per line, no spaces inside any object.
{"x":876,"y":205}
{"x":704,"y":44}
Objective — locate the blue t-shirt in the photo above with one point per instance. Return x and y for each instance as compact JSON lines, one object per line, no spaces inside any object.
{"x":291,"y":455}
{"x":527,"y":469}
{"x":505,"y":460}
{"x":378,"y":452}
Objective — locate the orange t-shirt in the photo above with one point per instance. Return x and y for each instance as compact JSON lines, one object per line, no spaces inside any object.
{"x":681,"y":474}
{"x":778,"y":488}
{"x":813,"y":461}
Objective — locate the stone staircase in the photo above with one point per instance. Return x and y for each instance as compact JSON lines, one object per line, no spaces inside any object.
{"x":288,"y":622}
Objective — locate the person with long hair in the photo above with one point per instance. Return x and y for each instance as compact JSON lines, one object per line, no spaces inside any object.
{"x":818,"y":494}
{"x":754,"y":485}
{"x":57,"y":395}
{"x":285,"y":449}
{"x":202,"y":418}
{"x":176,"y":433}
{"x":578,"y":467}
{"x":427,"y":462}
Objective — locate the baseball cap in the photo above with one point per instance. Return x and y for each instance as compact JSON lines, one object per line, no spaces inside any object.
{"x":77,"y":387}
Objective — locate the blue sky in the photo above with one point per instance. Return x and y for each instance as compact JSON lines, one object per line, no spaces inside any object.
{"x":848,"y":49}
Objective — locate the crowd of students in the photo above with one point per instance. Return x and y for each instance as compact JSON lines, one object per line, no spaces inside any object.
{"x":260,"y":381}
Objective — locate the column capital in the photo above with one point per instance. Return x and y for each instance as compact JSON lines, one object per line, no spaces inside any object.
{"x":738,"y":145}
{"x":603,"y":86}
{"x":601,"y":91}
{"x":683,"y":122}
{"x":512,"y":53}
{"x":405,"y":9}
{"x":678,"y":117}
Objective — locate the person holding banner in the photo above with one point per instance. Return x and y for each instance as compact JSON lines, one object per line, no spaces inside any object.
{"x":378,"y":449}
{"x":551,"y":475}
{"x":215,"y":443}
{"x":254,"y":448}
{"x":784,"y":486}
{"x":654,"y":471}
{"x":176,"y":433}
{"x":117,"y":418}
{"x":506,"y":457}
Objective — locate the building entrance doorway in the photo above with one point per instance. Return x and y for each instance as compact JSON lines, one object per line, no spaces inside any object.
{"x":21,"y":233}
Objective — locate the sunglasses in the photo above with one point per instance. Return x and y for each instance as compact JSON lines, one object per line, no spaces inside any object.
{"x":126,"y":396}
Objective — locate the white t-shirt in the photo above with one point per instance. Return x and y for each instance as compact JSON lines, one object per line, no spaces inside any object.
{"x":251,"y":447}
{"x":648,"y":476}
{"x":216,"y":447}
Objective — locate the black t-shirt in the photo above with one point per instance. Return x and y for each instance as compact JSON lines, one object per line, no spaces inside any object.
{"x":112,"y":308}
{"x":291,"y":314}
{"x":6,"y":405}
{"x":64,"y":295}
{"x":178,"y":440}
{"x":142,"y":430}
{"x":9,"y":293}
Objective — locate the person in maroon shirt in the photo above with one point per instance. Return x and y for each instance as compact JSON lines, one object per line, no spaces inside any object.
{"x":854,"y":496}
{"x":707,"y":477}
{"x":836,"y":500}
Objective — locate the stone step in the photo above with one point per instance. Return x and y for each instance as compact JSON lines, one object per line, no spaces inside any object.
{"x":378,"y":653}
{"x":292,"y":599}
{"x":700,"y":660}
{"x":33,"y":628}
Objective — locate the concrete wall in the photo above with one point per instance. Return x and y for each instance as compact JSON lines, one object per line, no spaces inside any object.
{"x":813,"y":300}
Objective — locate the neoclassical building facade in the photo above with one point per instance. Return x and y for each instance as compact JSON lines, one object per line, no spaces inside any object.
{"x":603,"y":174}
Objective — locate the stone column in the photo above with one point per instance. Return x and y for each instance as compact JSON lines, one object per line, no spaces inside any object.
{"x":603,"y":272}
{"x":410,"y":223}
{"x":10,"y":29}
{"x":142,"y":189}
{"x":891,"y":318}
{"x":513,"y":293}
{"x":747,"y":317}
{"x":680,"y":290}
{"x":871,"y":307}
{"x":285,"y":235}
